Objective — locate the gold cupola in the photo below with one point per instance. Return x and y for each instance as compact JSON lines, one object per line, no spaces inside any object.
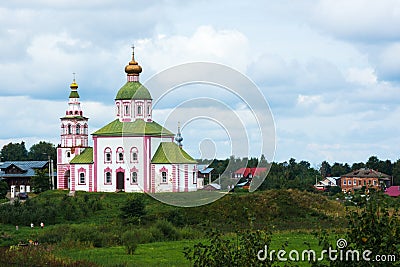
{"x":133,"y":68}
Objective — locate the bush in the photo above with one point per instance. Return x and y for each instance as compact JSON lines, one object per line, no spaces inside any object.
{"x":130,"y":241}
{"x":168,"y":231}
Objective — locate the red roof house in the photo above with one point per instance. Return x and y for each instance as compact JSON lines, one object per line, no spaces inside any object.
{"x":249,"y":172}
{"x":393,"y":191}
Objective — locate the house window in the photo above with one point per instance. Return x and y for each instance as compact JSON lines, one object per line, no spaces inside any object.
{"x":163,"y":177}
{"x":78,"y":129}
{"x":69,"y":129}
{"x":194,"y":178}
{"x":81,"y":178}
{"x":354,"y":182}
{"x":107,"y":155}
{"x":344,"y":182}
{"x":108,"y":177}
{"x":134,"y":177}
{"x":374,"y":182}
{"x":365,"y":183}
{"x":120,"y":155}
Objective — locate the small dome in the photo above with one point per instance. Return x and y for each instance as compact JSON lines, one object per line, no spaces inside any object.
{"x":73,"y":85}
{"x":133,"y":68}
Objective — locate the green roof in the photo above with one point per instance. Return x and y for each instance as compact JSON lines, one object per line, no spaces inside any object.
{"x":138,"y":127}
{"x":169,"y":152}
{"x":85,"y":157}
{"x":74,"y":94}
{"x":133,"y":90}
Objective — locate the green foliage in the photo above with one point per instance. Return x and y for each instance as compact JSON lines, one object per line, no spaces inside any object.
{"x":3,"y":189}
{"x":134,"y":209}
{"x":222,"y":251}
{"x":130,"y":241}
{"x":13,"y":152}
{"x":36,"y":256}
{"x":42,"y":150}
{"x":372,"y":227}
{"x":40,"y":182}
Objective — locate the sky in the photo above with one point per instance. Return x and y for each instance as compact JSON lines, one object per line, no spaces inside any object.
{"x":328,"y":71}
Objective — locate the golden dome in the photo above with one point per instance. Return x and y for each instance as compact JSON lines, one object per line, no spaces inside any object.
{"x":133,"y":68}
{"x":73,"y":85}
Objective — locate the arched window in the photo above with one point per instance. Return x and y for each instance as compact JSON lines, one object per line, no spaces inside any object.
{"x":82,"y":178}
{"x":68,"y":154}
{"x":134,"y":177}
{"x":69,"y":129}
{"x":118,"y":109}
{"x":120,"y":155}
{"x":163,"y":177}
{"x":108,"y":177}
{"x":148,"y":110}
{"x":85,"y":127}
{"x":126,"y":110}
{"x":139,"y":110}
{"x":107,"y":155}
{"x":78,"y":129}
{"x":134,"y":154}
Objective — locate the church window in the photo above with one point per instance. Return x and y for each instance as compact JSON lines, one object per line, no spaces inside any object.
{"x":107,"y":155}
{"x":126,"y":110}
{"x":194,"y":178}
{"x":120,"y":155}
{"x":148,"y":110}
{"x":134,"y":154}
{"x":118,"y":109}
{"x":78,"y":129}
{"x":134,"y":177}
{"x":108,"y":177}
{"x":69,"y":129}
{"x":68,"y":154}
{"x":164,"y":177}
{"x":139,"y":110}
{"x":82,"y":178}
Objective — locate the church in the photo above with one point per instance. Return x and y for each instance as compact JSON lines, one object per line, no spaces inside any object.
{"x":133,"y":153}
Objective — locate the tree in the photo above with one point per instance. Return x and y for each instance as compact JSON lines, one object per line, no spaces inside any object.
{"x":40,"y":182}
{"x":134,"y":209}
{"x":42,"y":150}
{"x":14,"y":152}
{"x":372,"y":163}
{"x":325,"y":169}
{"x":3,"y":189}
{"x":396,"y":173}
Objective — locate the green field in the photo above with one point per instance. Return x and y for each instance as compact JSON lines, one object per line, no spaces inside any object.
{"x":89,"y":226}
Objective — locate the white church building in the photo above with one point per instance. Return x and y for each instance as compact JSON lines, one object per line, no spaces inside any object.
{"x":132,"y":153}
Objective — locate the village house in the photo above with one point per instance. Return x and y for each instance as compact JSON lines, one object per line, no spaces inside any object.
{"x":363,"y":177}
{"x":18,"y":174}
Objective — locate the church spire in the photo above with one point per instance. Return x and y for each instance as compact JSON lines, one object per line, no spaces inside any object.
{"x":133,"y":69}
{"x":178,"y":137}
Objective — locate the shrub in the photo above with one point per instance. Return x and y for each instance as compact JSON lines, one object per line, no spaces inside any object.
{"x":130,"y":241}
{"x":169,"y":232}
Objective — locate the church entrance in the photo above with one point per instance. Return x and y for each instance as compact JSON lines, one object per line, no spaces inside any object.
{"x":67,"y":180}
{"x":120,"y":181}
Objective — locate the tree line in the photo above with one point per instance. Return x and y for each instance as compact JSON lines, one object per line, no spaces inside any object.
{"x":18,"y":152}
{"x":301,"y":175}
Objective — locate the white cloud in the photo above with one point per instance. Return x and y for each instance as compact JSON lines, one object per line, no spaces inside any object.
{"x":364,"y":76}
{"x":228,"y":47}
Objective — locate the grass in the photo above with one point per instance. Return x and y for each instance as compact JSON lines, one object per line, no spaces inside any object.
{"x":171,"y":253}
{"x":152,"y":254}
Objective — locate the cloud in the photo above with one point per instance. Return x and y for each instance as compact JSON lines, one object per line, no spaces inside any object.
{"x":361,"y":20}
{"x":228,"y":47}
